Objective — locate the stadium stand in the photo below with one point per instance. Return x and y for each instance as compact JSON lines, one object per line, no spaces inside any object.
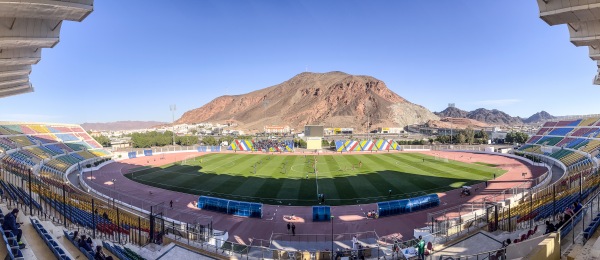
{"x":56,"y":249}
{"x":366,"y":145}
{"x":54,"y":159}
{"x":10,"y":240}
{"x":264,"y":145}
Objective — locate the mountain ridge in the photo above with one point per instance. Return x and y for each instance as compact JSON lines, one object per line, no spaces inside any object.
{"x":333,"y":99}
{"x":495,"y":116}
{"x":120,"y":125}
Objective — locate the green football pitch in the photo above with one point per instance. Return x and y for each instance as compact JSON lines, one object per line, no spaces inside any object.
{"x":297,"y":179}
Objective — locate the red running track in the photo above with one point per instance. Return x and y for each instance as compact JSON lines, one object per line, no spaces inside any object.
{"x":348,"y":219}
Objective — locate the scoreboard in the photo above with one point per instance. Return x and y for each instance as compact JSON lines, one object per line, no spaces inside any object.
{"x":314,"y":131}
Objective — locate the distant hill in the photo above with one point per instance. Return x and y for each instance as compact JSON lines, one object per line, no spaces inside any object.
{"x":494,"y":116}
{"x":333,"y":99}
{"x":539,"y":117}
{"x":120,"y":125}
{"x":452,"y":112}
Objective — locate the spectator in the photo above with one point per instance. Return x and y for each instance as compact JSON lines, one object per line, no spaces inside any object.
{"x":75,"y":235}
{"x":577,"y":207}
{"x":549,"y":227}
{"x":10,"y":223}
{"x":100,"y":254}
{"x":339,"y":254}
{"x":90,"y":242}
{"x":83,"y":243}
{"x":561,"y":222}
{"x":569,"y":213}
{"x":506,"y":243}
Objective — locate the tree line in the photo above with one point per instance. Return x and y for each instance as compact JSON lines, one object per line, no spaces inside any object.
{"x":102,"y":140}
{"x":154,"y":139}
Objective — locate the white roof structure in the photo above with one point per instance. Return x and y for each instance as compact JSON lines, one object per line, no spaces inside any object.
{"x":582,"y":17}
{"x":27,"y":26}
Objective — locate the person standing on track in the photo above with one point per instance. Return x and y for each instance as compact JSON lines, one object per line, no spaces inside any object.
{"x":289,"y":226}
{"x":293,"y":229}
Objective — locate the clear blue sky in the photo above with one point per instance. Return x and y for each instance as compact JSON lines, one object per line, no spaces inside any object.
{"x":129,"y":60}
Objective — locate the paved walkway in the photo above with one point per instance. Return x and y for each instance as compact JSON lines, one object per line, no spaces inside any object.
{"x":348,"y":218}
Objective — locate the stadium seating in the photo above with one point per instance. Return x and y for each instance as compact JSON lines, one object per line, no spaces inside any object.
{"x":122,"y":253}
{"x":13,"y":129}
{"x":59,"y":148}
{"x":543,"y":131}
{"x":549,"y":140}
{"x":11,"y":244}
{"x":21,"y":140}
{"x":88,"y":254}
{"x":366,"y":145}
{"x":7,"y":144}
{"x":589,"y":121}
{"x":592,"y":227}
{"x":56,"y":249}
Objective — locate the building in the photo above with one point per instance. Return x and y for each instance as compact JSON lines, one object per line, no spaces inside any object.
{"x":339,"y":131}
{"x":95,"y":133}
{"x":120,"y":143}
{"x":390,"y":130}
{"x":277,"y":129}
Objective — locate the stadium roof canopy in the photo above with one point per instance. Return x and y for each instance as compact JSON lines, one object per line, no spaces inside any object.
{"x":27,"y":26}
{"x":582,"y":17}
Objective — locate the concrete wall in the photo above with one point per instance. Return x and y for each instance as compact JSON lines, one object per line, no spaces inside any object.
{"x":523,"y":248}
{"x":548,"y":249}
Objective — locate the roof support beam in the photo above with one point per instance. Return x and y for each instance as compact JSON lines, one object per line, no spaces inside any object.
{"x":57,"y":24}
{"x":13,"y":23}
{"x":570,"y":25}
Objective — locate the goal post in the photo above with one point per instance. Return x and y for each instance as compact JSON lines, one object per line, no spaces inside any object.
{"x":188,"y":160}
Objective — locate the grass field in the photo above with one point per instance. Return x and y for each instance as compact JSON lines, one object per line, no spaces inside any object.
{"x":291,"y":179}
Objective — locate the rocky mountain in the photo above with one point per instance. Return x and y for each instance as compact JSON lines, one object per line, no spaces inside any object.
{"x":120,"y":125}
{"x":539,"y":117}
{"x":456,"y":123}
{"x":494,"y":116}
{"x":452,"y":112}
{"x":333,"y":99}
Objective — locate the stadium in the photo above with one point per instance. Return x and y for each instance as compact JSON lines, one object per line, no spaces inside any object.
{"x":267,"y":198}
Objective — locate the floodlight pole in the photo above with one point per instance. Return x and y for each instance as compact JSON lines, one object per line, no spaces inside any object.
{"x":451,"y":131}
{"x":173,"y":108}
{"x":332,"y":237}
{"x":30,"y":196}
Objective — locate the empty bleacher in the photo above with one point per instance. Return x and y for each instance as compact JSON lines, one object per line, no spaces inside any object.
{"x":561,"y":131}
{"x":56,"y":249}
{"x":549,"y":140}
{"x":67,"y":137}
{"x":21,"y":140}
